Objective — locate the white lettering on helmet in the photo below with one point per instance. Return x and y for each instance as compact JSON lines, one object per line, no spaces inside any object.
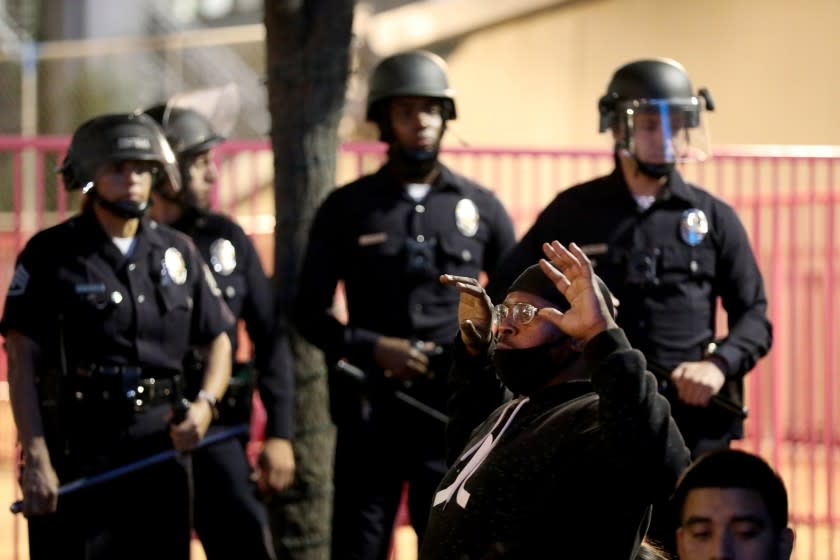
{"x":133,"y":142}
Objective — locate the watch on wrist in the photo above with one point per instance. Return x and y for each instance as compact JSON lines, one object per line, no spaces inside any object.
{"x":208,"y":397}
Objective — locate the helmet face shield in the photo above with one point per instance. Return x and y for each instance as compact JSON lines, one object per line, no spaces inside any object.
{"x":654,"y":114}
{"x":663,"y":131}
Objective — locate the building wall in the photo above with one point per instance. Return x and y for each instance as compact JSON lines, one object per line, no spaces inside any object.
{"x":535,"y":81}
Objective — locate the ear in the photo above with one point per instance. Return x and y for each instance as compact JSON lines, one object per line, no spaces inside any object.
{"x":680,"y":543}
{"x":786,"y":539}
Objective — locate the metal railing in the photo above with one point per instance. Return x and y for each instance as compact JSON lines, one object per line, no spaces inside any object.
{"x":787,"y":197}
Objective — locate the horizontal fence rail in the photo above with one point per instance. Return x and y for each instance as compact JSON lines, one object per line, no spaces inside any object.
{"x":788,"y":198}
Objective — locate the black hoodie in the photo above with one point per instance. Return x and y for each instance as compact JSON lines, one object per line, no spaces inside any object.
{"x":570,"y":472}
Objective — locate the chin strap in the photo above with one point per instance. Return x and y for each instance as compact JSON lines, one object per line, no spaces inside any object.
{"x":654,"y":170}
{"x":123,"y":209}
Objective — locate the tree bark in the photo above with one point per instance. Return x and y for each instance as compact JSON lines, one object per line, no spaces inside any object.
{"x":308,"y":58}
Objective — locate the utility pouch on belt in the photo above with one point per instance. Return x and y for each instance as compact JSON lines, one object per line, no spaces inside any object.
{"x":235,"y":405}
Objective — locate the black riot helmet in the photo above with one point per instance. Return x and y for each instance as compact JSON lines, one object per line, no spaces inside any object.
{"x":188,"y":131}
{"x":656,"y":91}
{"x":409,"y":74}
{"x":113,"y":138}
{"x":190,"y":134}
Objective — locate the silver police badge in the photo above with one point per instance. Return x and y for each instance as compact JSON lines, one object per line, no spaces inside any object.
{"x":174,"y":267}
{"x":466,"y":217}
{"x":694,"y":226}
{"x":223,"y":257}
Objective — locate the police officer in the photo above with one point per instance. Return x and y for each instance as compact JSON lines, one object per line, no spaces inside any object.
{"x":99,"y":314}
{"x":667,"y":249}
{"x":231,"y":521}
{"x":388,"y":236}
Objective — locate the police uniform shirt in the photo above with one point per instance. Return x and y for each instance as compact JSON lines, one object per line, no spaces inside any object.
{"x":390,"y":250}
{"x":666,"y":272}
{"x":235,"y":264}
{"x":71,"y":282}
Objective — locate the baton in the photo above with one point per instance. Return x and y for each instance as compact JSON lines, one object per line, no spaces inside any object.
{"x":88,"y":481}
{"x":352,"y":371}
{"x":664,"y":376}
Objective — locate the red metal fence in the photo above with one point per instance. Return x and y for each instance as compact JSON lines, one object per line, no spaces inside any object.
{"x":787,"y":197}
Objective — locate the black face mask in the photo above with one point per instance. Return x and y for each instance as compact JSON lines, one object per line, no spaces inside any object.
{"x":525,"y":371}
{"x":412,"y":165}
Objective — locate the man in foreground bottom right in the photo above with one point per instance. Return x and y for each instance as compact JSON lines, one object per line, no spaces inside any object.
{"x":731,"y":505}
{"x":570,"y":466}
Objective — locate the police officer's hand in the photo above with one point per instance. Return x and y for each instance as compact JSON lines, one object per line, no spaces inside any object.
{"x":276,"y":465}
{"x":400,"y":359}
{"x":186,"y":435}
{"x":475,"y":312}
{"x":697,"y":382}
{"x":572,"y":274}
{"x":39,"y":484}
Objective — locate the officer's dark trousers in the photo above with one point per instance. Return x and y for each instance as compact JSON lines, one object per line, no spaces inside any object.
{"x":140,"y":516}
{"x":230,"y":518}
{"x":373,"y":460}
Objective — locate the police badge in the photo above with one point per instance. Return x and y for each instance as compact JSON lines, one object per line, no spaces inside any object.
{"x":174,"y":268}
{"x":693,"y":227}
{"x":223,"y":257}
{"x":466,"y":217}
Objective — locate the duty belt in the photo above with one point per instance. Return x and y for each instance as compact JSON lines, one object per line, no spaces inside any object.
{"x":139,"y":386}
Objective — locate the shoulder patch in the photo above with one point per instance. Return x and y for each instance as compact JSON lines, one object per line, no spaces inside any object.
{"x":20,"y":280}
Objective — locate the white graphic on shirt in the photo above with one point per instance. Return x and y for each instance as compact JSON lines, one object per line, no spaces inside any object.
{"x":479,"y":453}
{"x":20,"y":281}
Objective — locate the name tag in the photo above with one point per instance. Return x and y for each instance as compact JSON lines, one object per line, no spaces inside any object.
{"x":98,"y":288}
{"x":594,"y":249}
{"x":372,"y":239}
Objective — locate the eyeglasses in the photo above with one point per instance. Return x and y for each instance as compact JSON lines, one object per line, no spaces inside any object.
{"x":522,"y":313}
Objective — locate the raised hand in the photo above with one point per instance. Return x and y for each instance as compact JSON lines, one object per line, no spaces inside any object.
{"x":572,"y":274}
{"x":475,"y":311}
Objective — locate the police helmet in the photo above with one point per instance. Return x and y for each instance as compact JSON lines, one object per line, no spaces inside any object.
{"x":118,"y":137}
{"x":413,"y":73}
{"x":649,"y":81}
{"x":189,"y":132}
{"x":658,"y":91}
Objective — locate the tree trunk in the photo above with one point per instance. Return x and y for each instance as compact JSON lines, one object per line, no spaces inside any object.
{"x":308,"y":58}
